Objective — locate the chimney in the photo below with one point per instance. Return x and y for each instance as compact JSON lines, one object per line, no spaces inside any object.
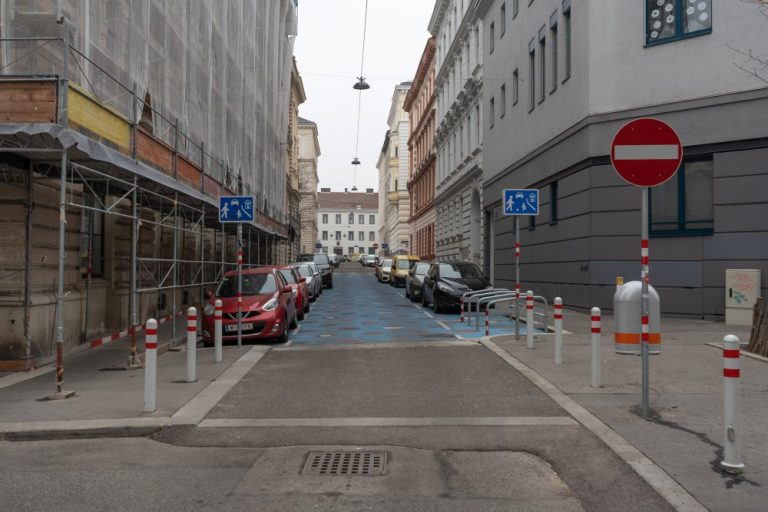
{"x":325,"y":190}
{"x":369,"y":191}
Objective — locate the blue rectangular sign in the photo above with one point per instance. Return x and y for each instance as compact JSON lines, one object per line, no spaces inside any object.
{"x":521,"y":202}
{"x":236,"y":209}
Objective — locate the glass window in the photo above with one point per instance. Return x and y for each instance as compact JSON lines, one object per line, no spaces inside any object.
{"x":288,"y":276}
{"x":361,"y":236}
{"x":684,"y":204}
{"x":668,"y":20}
{"x":338,"y":218}
{"x":553,"y":202}
{"x":253,"y":284}
{"x":515,"y":86}
{"x":502,"y":20}
{"x":542,"y":65}
{"x":503,"y":101}
{"x":361,"y":219}
{"x":325,"y":218}
{"x":338,"y":235}
{"x":492,"y":111}
{"x":421,"y":269}
{"x":371,"y":219}
{"x":351,"y":218}
{"x":460,"y":271}
{"x":491,"y":36}
{"x":371,"y":236}
{"x":351,"y":236}
{"x":515,"y":8}
{"x":567,"y":39}
{"x":553,"y":50}
{"x":532,"y":74}
{"x":325,"y":235}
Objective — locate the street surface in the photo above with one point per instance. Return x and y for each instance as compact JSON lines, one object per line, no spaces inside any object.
{"x":462,"y":425}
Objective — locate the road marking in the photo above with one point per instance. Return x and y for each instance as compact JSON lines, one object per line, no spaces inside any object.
{"x":430,"y":315}
{"x":77,"y":425}
{"x":443,"y":325}
{"x":388,"y":344}
{"x":394,"y":327}
{"x":15,"y":378}
{"x":656,"y":477}
{"x":198,"y":408}
{"x":501,"y":421}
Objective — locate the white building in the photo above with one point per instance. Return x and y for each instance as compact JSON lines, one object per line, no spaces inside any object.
{"x":348,"y":222}
{"x":394,"y":202}
{"x":309,"y":151}
{"x":459,"y":134}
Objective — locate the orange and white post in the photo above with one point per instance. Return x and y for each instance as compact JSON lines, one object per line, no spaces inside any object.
{"x":731,"y":462}
{"x":558,"y":330}
{"x":529,"y":319}
{"x":217,"y":334}
{"x":596,"y":341}
{"x":150,"y":366}
{"x":191,"y":344}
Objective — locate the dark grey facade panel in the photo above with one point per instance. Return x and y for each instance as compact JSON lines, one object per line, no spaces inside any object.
{"x":622,"y":248}
{"x":615,"y":199}
{"x":616,"y":224}
{"x":606,"y":176}
{"x":574,"y":227}
{"x":741,"y":163}
{"x":574,"y":250}
{"x":736,"y":246}
{"x":675,"y":248}
{"x":742,"y":217}
{"x":742,"y":189}
{"x":574,"y":204}
{"x":573,"y":184}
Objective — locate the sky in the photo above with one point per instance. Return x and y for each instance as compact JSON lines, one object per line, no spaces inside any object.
{"x":328,"y":53}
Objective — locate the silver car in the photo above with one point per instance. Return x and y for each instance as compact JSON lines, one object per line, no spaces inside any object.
{"x":314,"y":282}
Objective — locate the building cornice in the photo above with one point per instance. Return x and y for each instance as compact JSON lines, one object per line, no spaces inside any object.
{"x":422,"y":71}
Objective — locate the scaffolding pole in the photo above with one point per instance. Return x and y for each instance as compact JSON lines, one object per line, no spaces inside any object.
{"x":174,"y":305}
{"x":89,"y":273}
{"x":28,"y":275}
{"x":133,"y":362}
{"x":202,"y":259}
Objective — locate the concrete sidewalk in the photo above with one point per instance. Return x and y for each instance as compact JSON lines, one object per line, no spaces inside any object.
{"x":108,"y":398}
{"x":685,"y":434}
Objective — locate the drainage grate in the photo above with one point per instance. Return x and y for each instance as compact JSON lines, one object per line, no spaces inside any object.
{"x":346,"y":463}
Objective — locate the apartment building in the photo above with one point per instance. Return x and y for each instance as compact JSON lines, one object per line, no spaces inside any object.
{"x":349,"y":222}
{"x":309,"y":151}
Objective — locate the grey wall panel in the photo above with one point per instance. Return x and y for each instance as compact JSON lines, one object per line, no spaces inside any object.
{"x":739,"y":163}
{"x":615,"y":248}
{"x":602,"y":297}
{"x":574,"y":183}
{"x":681,"y":301}
{"x":541,"y":272}
{"x":675,"y":248}
{"x":713,"y":301}
{"x":742,"y":217}
{"x":736,"y":246}
{"x":574,"y":227}
{"x":714,"y":271}
{"x":606,"y":272}
{"x":574,"y":295}
{"x":573,"y":205}
{"x":615,"y":199}
{"x":616,"y":223}
{"x":745,"y":189}
{"x":541,"y":253}
{"x":571,"y":272}
{"x":574,"y":250}
{"x":663,"y":273}
{"x":605,"y":175}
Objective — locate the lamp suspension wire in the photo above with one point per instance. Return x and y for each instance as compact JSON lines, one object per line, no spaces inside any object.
{"x":360,"y":97}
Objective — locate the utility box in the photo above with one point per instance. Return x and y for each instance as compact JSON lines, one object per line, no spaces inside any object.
{"x":742,"y":288}
{"x":627,"y":312}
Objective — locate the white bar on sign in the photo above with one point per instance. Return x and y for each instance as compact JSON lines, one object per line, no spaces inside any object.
{"x":646,"y":152}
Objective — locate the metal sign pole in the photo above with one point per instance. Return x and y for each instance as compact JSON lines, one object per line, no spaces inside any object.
{"x":239,"y":284}
{"x":645,"y":277}
{"x":517,"y":277}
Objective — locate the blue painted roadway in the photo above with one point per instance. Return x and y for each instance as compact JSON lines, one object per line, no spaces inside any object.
{"x":359,"y":309}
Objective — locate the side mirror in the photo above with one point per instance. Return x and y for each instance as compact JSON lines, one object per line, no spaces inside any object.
{"x":208,"y":295}
{"x":303,"y":280}
{"x":288,"y":289}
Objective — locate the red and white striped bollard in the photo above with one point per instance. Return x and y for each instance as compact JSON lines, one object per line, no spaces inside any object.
{"x":558,"y":330}
{"x":461,"y":309}
{"x":150,"y":366}
{"x":529,"y":319}
{"x":596,"y":341}
{"x":191,"y":344}
{"x":487,"y":321}
{"x":218,"y":325}
{"x":731,"y":462}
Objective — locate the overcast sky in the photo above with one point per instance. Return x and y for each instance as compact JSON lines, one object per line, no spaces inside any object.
{"x":328,"y":51}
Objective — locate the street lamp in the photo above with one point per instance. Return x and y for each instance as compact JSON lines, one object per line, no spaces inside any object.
{"x":361,"y":84}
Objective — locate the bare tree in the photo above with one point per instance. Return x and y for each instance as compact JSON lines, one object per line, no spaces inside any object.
{"x":753,"y":64}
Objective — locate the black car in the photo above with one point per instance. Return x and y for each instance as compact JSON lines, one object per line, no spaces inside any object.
{"x":415,"y":280}
{"x":447,"y":281}
{"x":323,"y":265}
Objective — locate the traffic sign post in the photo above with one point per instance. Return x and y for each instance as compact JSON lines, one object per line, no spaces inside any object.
{"x":237,"y":209}
{"x":646,"y":152}
{"x":517,"y":203}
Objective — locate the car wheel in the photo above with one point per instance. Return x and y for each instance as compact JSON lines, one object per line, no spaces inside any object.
{"x":330,"y":284}
{"x":295,"y":323}
{"x":300,"y":314}
{"x":436,"y":305}
{"x":407,"y":295}
{"x":424,"y":302}
{"x":283,"y":337}
{"x":306,"y":307}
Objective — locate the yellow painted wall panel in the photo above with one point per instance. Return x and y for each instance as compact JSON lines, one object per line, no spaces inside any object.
{"x":101,"y":121}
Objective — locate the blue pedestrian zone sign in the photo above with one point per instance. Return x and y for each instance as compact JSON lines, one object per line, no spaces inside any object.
{"x":521,"y":202}
{"x":236,"y":209}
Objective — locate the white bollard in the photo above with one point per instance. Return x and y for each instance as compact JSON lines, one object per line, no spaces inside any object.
{"x":558,"y":330}
{"x":191,"y":344}
{"x":217,"y":334}
{"x":596,"y":355}
{"x":487,"y":321}
{"x":150,"y":366}
{"x":461,"y":309}
{"x":731,"y":462}
{"x":529,"y":319}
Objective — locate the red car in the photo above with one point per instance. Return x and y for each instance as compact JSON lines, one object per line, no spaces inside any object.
{"x":299,"y":284}
{"x":268,"y":307}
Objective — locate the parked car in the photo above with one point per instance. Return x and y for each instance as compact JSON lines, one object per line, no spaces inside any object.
{"x":309,"y":272}
{"x":323,"y":265}
{"x":446,"y":282}
{"x":335,"y":259}
{"x":415,"y":280}
{"x":300,"y":289}
{"x":268,"y":306}
{"x":401,"y":265}
{"x":383,"y":271}
{"x":368,"y":260}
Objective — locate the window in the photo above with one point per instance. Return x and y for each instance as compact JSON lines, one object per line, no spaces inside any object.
{"x":532,"y":222}
{"x":338,"y":218}
{"x":515,"y":8}
{"x":325,"y":235}
{"x":553,"y":51}
{"x":492,"y":111}
{"x":325,"y":218}
{"x":338,"y":235}
{"x":515,"y":86}
{"x":542,"y":64}
{"x":683,"y":205}
{"x":361,"y":219}
{"x":371,"y":219}
{"x":553,"y":202}
{"x":360,"y":236}
{"x":503,"y":101}
{"x":669,"y":20}
{"x":532,"y":73}
{"x":351,"y":236}
{"x":491,"y":35}
{"x":503,"y":20}
{"x":351,"y":218}
{"x":567,"y":39}
{"x":371,"y":236}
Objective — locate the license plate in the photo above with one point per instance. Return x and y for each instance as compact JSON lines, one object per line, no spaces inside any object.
{"x":233,"y":327}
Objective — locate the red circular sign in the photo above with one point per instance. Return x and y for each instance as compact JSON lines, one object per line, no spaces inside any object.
{"x":646,"y":152}
{"x":375,"y":246}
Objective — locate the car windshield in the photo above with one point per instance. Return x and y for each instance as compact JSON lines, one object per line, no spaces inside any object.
{"x":405,"y":264}
{"x":386,"y":264}
{"x":421,"y":269}
{"x":288,"y":275}
{"x":306,"y":257}
{"x":322,"y":259}
{"x":304,"y":270}
{"x":460,"y":270}
{"x":253,"y":284}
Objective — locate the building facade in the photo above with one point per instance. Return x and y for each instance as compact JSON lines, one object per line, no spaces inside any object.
{"x":564,"y":95}
{"x":116,"y":150}
{"x":394,"y":205}
{"x":349,"y":222}
{"x":459,"y":134}
{"x":309,"y":151}
{"x":293,"y":193}
{"x":420,"y":105}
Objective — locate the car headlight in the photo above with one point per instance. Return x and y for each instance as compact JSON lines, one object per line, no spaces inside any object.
{"x":444,"y":288}
{"x":270,"y":305}
{"x":209,"y":310}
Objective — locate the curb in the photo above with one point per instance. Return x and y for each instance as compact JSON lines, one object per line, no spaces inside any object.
{"x":54,"y":430}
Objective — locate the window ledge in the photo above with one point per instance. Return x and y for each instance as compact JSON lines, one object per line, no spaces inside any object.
{"x":681,"y":37}
{"x":667,"y":234}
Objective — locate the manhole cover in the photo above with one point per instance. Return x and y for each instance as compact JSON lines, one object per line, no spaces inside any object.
{"x":346,"y":463}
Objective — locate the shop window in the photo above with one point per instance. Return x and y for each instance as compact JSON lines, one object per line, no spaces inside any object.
{"x":684,"y":204}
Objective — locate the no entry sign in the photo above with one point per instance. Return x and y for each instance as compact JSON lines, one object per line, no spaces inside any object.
{"x":646,"y":152}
